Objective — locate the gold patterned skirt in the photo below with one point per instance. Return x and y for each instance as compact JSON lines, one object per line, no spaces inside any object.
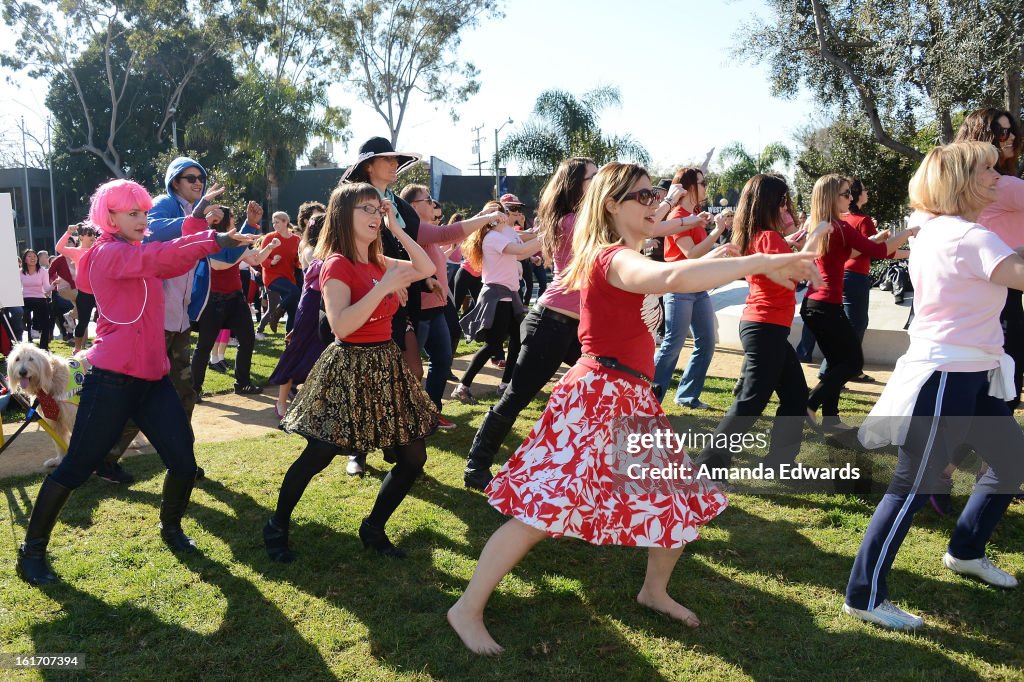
{"x":361,"y":398}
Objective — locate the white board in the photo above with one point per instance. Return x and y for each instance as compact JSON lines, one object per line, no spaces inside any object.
{"x":10,"y":281}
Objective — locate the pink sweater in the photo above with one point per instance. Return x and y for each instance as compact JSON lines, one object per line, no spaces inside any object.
{"x":72,"y":253}
{"x":37,"y":284}
{"x":431,"y":237}
{"x":126,"y":280}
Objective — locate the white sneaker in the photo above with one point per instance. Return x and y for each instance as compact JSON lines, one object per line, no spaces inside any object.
{"x":886,"y":614}
{"x":982,"y":569}
{"x":260,"y":336}
{"x":233,"y":343}
{"x":355,"y":466}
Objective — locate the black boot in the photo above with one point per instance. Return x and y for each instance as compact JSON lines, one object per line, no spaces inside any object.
{"x":177,"y":492}
{"x":33,"y":567}
{"x":275,"y":540}
{"x":486,"y":443}
{"x":376,"y":539}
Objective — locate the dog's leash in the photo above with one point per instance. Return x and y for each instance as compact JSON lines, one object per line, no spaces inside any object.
{"x":31,"y":416}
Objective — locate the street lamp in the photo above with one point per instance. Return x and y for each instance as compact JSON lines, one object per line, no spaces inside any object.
{"x":497,"y":181}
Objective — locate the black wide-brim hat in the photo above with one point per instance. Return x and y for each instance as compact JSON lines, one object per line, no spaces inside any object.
{"x":379,"y":146}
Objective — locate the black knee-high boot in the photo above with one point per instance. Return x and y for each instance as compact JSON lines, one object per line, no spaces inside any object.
{"x":177,"y":492}
{"x":486,"y":443}
{"x":33,"y":567}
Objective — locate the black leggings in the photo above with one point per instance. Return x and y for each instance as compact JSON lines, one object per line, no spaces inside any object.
{"x":37,"y":316}
{"x":504,"y":326}
{"x":84,"y":303}
{"x":318,"y":454}
{"x":466,"y":284}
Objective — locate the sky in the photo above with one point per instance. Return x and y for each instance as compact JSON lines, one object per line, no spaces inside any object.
{"x":683,"y":90}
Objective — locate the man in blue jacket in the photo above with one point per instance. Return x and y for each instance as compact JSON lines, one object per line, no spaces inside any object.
{"x":185,"y":181}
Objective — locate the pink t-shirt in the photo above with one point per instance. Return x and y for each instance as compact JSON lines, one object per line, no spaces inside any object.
{"x":1005,"y":216}
{"x":498,"y":267}
{"x":555,"y":295}
{"x":951,"y":264}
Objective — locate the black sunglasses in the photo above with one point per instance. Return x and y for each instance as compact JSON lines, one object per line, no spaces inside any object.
{"x":646,"y":197}
{"x":1004,"y":133}
{"x":192,"y":179}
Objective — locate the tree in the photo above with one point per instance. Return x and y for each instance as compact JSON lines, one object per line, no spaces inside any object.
{"x":894,"y":61}
{"x":390,"y":49}
{"x":847,"y":147}
{"x":563,"y":125}
{"x":130,"y":40}
{"x":741,"y":165}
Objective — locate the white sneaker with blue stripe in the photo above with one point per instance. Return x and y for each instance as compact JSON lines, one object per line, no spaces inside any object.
{"x":886,"y":614}
{"x":982,"y":569}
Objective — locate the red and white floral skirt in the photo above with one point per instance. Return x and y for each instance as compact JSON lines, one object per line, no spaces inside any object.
{"x":573,"y":476}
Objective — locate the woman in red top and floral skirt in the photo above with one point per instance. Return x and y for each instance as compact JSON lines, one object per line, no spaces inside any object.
{"x":822,"y":309}
{"x":360,"y":395}
{"x":572,"y":476}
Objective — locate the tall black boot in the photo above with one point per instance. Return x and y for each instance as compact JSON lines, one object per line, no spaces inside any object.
{"x":177,"y":492}
{"x":486,"y":443}
{"x":33,"y":567}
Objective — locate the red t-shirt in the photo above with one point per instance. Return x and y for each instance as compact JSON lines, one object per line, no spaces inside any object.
{"x":767,"y":301}
{"x":866,"y":226}
{"x":841,"y":242}
{"x":610,"y":321}
{"x":697,"y":234}
{"x":360,"y":278}
{"x":289,"y":253}
{"x":226,"y":281}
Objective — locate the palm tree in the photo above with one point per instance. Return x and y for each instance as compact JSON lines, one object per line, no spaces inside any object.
{"x":563,"y":125}
{"x":741,"y":165}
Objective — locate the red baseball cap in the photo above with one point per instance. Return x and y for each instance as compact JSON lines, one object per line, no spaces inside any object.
{"x":509,"y":200}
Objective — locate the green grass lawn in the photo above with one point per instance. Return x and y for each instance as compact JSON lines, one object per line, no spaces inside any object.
{"x":766,"y":579}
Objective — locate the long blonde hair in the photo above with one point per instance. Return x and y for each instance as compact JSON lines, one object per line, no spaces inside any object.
{"x":595,"y":229}
{"x":473,"y":246}
{"x":823,"y":205}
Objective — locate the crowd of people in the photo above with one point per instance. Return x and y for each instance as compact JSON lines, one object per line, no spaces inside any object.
{"x":371,"y":281}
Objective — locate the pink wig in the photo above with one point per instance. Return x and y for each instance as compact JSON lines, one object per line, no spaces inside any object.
{"x":117,"y":196}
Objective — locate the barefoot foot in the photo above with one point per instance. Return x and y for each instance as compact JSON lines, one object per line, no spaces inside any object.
{"x":668,"y":606}
{"x":471,"y":630}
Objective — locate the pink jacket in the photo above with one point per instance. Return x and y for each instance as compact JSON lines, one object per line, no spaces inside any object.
{"x":126,"y":279}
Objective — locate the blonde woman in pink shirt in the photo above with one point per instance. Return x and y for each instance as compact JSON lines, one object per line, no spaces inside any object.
{"x":35,"y":289}
{"x":128,"y":367}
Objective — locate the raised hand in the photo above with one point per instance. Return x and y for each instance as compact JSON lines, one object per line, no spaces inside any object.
{"x":397,"y":277}
{"x":253,"y":213}
{"x":231,"y":238}
{"x":214,"y":216}
{"x":212,"y":192}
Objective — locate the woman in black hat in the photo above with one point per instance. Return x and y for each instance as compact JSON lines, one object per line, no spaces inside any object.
{"x":379,"y":165}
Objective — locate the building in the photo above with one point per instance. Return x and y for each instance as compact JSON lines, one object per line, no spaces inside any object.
{"x":44,"y":231}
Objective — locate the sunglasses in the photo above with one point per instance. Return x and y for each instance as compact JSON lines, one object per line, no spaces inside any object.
{"x":192,"y":179}
{"x":1004,"y":133}
{"x":846,"y":195}
{"x":426,"y":198}
{"x":514,"y":208}
{"x":645,"y":197}
{"x":369,"y":208}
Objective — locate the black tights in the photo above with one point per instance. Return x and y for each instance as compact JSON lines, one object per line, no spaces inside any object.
{"x":318,"y":454}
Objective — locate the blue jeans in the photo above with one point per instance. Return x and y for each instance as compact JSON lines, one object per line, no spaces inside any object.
{"x":952,"y":408}
{"x":685,"y":312}
{"x":856,"y":290}
{"x":433,"y":336}
{"x":289,"y":298}
{"x":108,"y":401}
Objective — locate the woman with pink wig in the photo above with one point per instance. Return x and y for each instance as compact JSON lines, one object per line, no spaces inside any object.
{"x":127,"y":378}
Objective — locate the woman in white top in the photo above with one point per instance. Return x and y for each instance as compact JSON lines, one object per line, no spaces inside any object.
{"x":951,"y":385}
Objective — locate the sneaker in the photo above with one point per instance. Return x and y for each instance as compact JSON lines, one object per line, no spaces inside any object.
{"x":114,"y":473}
{"x":248,"y":389}
{"x":886,"y":614}
{"x":452,"y":377}
{"x":462,"y":394}
{"x":356,"y":465}
{"x":233,"y":342}
{"x":502,"y":388}
{"x":500,"y":364}
{"x":695,"y":405}
{"x":443,"y":423}
{"x":982,"y":569}
{"x":219,"y":366}
{"x":260,"y":336}
{"x":864,"y":379}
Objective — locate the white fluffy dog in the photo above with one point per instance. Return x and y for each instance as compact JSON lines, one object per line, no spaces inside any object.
{"x":54,"y":381}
